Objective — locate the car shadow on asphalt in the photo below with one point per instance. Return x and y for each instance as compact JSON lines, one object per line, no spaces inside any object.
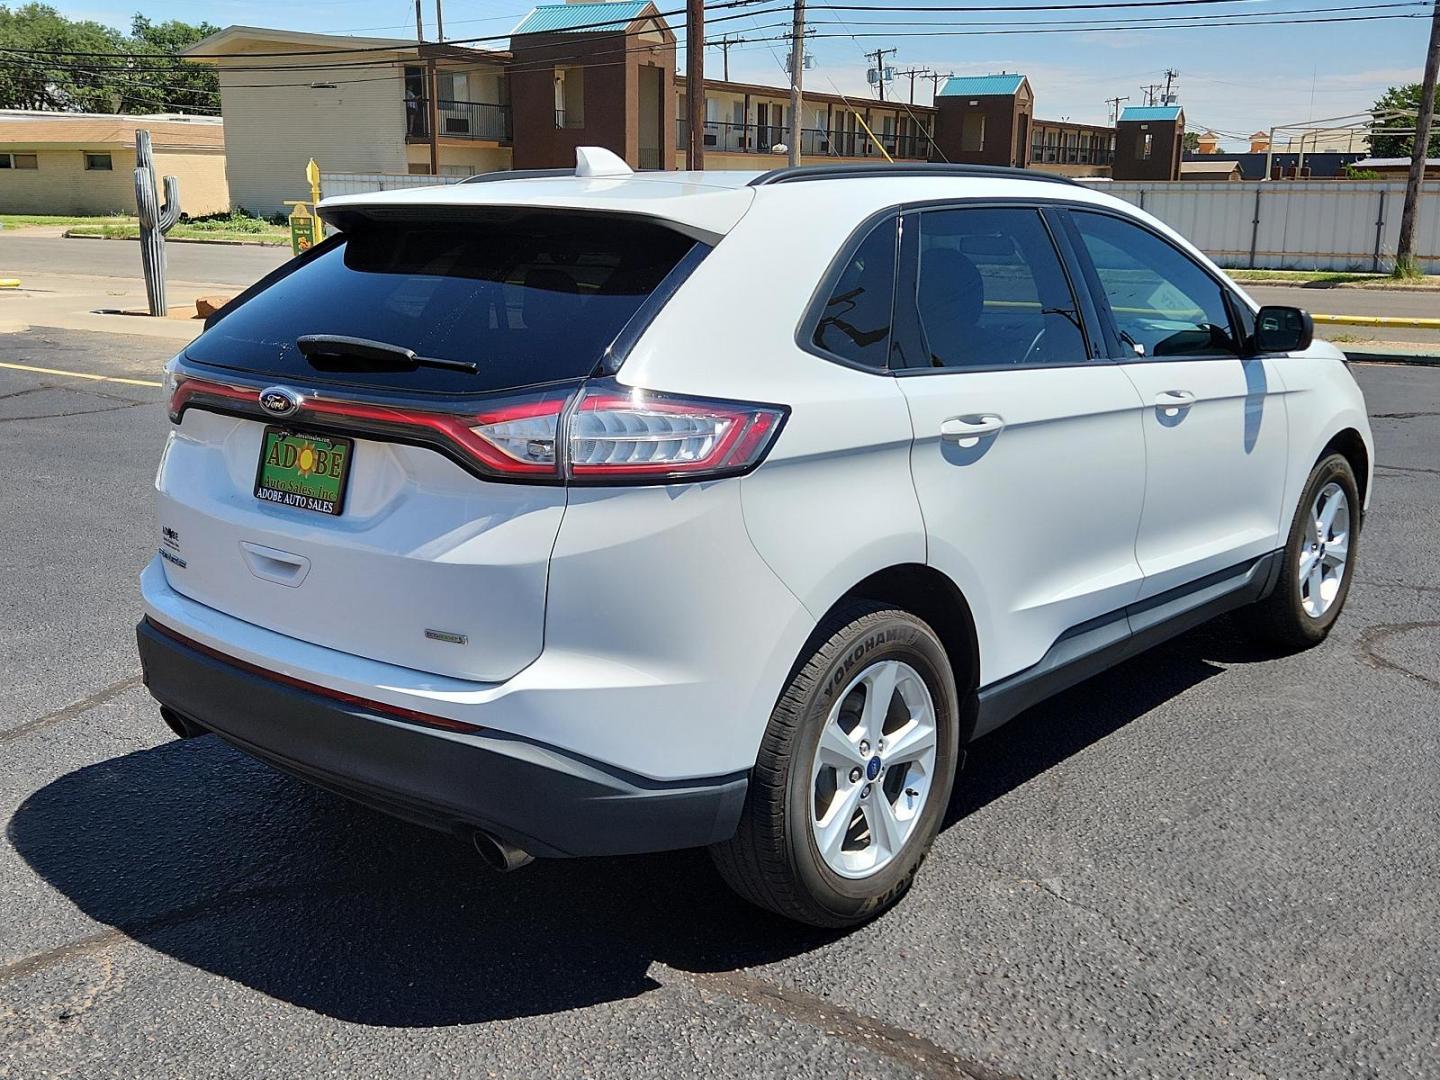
{"x":205,"y":855}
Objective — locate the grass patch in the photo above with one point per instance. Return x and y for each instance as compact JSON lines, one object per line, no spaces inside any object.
{"x":20,"y":221}
{"x":217,"y":228}
{"x":1302,"y":277}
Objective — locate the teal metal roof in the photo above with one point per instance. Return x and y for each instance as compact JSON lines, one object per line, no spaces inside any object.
{"x":582,"y":18}
{"x":1151,"y":112}
{"x":981,"y":85}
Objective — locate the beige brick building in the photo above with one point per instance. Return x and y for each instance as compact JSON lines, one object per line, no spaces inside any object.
{"x":84,"y":163}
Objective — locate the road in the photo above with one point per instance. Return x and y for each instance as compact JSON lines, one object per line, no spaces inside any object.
{"x":215,"y":264}
{"x":1398,"y":303}
{"x":1210,"y":862}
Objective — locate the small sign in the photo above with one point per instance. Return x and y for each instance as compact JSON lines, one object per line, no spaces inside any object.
{"x":302,"y":229}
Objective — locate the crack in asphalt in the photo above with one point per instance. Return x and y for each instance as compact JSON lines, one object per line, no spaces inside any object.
{"x":1373,"y":636}
{"x":858,"y":1029}
{"x":77,"y":412}
{"x":1405,"y":468}
{"x":69,"y":712}
{"x":1400,"y":415}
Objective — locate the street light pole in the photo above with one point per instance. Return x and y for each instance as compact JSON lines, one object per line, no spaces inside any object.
{"x":1405,"y":248}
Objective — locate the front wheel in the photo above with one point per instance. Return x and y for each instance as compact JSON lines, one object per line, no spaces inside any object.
{"x":853,"y":776}
{"x":1319,"y":560}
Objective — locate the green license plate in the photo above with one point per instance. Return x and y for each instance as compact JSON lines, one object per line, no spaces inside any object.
{"x":303,"y":471}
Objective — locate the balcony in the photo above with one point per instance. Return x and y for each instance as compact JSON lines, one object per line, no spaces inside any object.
{"x":458,"y":120}
{"x":726,"y":138}
{"x":1070,"y":155}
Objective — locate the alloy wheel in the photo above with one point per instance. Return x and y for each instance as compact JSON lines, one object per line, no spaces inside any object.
{"x":873,"y":769}
{"x":1324,"y":550}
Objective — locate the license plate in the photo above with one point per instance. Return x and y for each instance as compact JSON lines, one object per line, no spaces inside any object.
{"x":304,"y":471}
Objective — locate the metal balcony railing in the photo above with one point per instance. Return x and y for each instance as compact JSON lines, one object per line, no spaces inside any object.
{"x":814,"y":142}
{"x":1044,"y":154}
{"x":459,"y":119}
{"x":651,"y":157}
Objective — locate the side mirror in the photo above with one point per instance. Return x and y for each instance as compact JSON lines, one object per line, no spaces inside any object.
{"x":1283,"y":329}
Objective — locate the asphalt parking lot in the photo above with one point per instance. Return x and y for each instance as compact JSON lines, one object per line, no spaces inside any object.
{"x":1210,"y":862}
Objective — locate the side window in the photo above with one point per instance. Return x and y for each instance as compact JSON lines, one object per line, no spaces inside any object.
{"x":855,"y":323}
{"x":990,"y":291}
{"x":1162,"y":301}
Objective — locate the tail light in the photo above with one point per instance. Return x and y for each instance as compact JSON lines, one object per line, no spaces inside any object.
{"x":602,"y":434}
{"x":631,"y":435}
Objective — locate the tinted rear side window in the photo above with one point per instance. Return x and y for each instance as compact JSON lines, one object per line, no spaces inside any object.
{"x":855,"y":323}
{"x":530,"y":298}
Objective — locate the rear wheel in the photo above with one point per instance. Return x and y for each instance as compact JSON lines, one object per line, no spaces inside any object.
{"x":1319,"y":560}
{"x":853,"y":776}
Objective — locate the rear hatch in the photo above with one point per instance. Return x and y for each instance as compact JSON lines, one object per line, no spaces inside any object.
{"x":363,"y":450}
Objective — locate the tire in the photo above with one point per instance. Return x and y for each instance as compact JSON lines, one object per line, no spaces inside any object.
{"x":1288,"y":618}
{"x":775,"y":859}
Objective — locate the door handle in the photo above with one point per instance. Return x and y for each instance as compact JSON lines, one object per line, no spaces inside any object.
{"x":1175,"y":399}
{"x":971,"y":427}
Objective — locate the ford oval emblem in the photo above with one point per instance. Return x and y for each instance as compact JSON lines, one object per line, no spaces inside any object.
{"x":278,"y":401}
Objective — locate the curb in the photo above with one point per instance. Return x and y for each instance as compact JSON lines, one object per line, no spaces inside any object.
{"x":179,"y":240}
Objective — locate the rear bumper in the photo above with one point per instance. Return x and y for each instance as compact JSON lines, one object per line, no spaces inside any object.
{"x":542,"y":799}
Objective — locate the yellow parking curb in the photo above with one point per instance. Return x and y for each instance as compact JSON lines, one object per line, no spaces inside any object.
{"x":1377,"y":320}
{"x":78,"y":375}
{"x":9,"y":282}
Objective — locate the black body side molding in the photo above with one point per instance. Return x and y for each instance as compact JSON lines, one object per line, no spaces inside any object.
{"x":1094,"y":646}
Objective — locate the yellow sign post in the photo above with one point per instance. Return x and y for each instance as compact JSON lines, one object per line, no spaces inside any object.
{"x":306,"y":229}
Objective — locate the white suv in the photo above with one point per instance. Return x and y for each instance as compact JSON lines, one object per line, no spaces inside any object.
{"x":599,"y":513}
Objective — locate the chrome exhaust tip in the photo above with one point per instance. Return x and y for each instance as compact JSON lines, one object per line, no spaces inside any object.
{"x":498,"y":854}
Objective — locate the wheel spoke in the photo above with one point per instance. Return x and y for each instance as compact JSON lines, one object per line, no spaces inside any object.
{"x":830,"y":833}
{"x":1316,"y":582}
{"x":879,"y":690}
{"x":910,"y":742}
{"x":839,"y":749}
{"x":1337,"y":551}
{"x":885,"y":830}
{"x":1326,"y":517}
{"x":1307,"y":563}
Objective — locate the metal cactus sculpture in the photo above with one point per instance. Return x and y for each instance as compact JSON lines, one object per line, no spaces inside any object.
{"x":155,"y":220}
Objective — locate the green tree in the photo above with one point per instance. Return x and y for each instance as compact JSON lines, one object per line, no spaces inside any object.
{"x":180,"y":87}
{"x":34,"y":81}
{"x":1191,"y":141}
{"x":1400,"y":97}
{"x":141,"y":73}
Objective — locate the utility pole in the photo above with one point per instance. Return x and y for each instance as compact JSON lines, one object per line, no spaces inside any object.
{"x":724,"y":46}
{"x":912,"y":72}
{"x":1149,"y":92}
{"x":439,"y":22}
{"x":1114,"y":104}
{"x":879,"y":56}
{"x":695,"y":82}
{"x":1405,"y":248}
{"x":432,"y":81}
{"x":797,"y":77}
{"x":1170,"y":76}
{"x":935,"y":78}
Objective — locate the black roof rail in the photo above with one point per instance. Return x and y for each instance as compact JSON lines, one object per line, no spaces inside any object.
{"x":515,"y":174}
{"x":799,"y":173}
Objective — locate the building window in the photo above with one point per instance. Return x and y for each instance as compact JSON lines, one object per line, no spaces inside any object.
{"x":972,"y":132}
{"x":1147,"y":146}
{"x":569,"y":97}
{"x":98,"y":163}
{"x":19,"y":161}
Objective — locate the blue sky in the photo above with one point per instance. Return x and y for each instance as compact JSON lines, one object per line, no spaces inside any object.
{"x":1234,"y":79}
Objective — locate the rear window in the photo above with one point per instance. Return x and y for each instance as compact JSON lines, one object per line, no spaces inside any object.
{"x":530,"y":298}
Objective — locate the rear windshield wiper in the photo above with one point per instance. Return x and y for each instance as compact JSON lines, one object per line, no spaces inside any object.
{"x":335,"y":352}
